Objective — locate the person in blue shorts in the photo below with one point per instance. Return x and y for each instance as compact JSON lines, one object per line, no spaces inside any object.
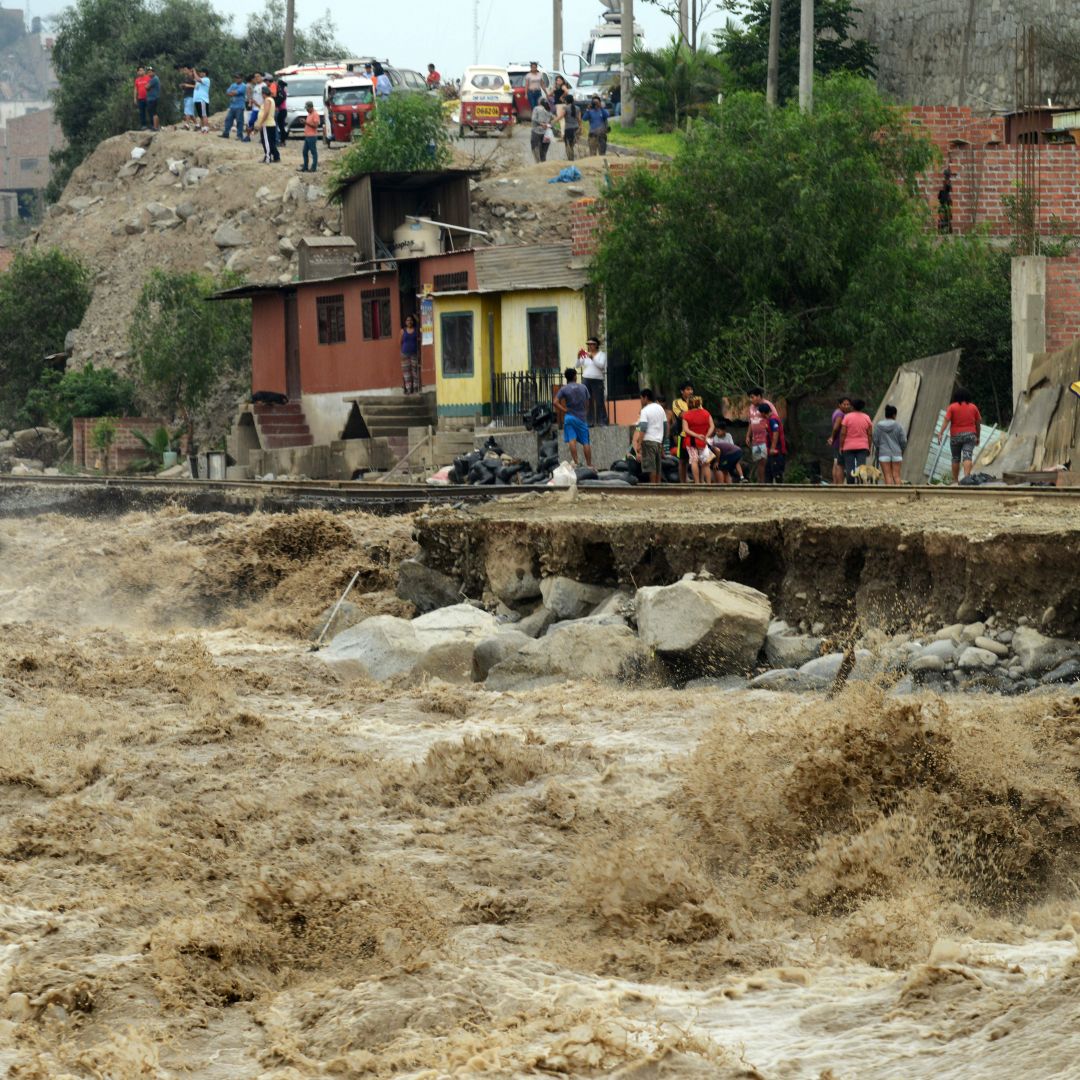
{"x":572,"y":404}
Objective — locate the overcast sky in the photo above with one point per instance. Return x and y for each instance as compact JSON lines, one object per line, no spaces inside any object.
{"x":412,"y":33}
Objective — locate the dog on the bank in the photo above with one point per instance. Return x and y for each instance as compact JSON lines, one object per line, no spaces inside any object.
{"x":867,"y":474}
{"x":269,"y":397}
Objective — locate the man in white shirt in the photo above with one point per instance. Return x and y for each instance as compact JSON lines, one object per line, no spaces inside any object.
{"x":649,"y":436}
{"x":592,"y":363}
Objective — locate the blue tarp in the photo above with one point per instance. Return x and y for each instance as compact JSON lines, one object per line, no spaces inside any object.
{"x":566,"y":176}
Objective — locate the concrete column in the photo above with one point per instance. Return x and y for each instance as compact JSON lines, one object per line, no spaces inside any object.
{"x":806,"y":57}
{"x":773,"y":76}
{"x":1028,"y":318}
{"x":627,"y":86}
{"x":556,"y":35}
{"x":289,"y":50}
{"x":684,"y":21}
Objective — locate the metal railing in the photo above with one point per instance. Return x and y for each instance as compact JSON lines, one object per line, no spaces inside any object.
{"x":514,"y":393}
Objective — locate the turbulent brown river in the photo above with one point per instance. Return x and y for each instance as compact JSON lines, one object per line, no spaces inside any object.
{"x":217,"y":860}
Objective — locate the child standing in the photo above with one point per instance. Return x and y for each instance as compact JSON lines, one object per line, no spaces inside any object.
{"x":890,"y":441}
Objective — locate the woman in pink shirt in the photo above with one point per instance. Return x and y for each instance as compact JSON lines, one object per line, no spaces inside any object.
{"x":856,"y":431}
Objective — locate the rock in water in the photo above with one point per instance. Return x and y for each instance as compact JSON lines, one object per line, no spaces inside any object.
{"x":425,"y":588}
{"x":575,"y":651}
{"x":704,"y":627}
{"x":494,"y":650}
{"x":440,"y":643}
{"x":1038,"y":653}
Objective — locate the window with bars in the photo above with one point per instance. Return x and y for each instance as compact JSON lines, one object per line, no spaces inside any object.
{"x":456,"y":333}
{"x":375,"y":304}
{"x":455,"y":282}
{"x":543,"y":326}
{"x":330,"y":313}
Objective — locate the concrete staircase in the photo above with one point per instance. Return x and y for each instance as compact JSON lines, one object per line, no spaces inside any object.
{"x":282,"y":426}
{"x":392,"y":415}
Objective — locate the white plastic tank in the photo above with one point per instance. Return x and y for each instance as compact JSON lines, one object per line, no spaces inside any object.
{"x":417,"y":237}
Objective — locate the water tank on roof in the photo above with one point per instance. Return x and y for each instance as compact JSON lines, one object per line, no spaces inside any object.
{"x":418,"y":236}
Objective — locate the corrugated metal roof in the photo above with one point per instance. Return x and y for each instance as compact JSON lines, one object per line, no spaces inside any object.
{"x":533,"y":266}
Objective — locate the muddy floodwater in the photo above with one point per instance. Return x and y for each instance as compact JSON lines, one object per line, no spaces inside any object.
{"x":217,"y":860}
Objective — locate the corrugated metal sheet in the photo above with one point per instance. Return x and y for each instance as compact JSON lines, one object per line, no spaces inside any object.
{"x":536,"y":266}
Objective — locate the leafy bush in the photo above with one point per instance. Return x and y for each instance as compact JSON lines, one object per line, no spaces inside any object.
{"x":184,"y":343}
{"x":43,"y":295}
{"x":58,"y":398}
{"x":675,"y":82}
{"x":407,"y":133}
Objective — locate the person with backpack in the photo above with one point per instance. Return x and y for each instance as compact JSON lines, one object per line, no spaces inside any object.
{"x":776,"y":444}
{"x":571,"y":121}
{"x":281,"y":99}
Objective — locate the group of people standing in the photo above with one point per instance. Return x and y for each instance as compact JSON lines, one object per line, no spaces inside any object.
{"x":561,"y":116}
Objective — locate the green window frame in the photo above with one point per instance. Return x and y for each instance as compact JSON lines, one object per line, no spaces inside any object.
{"x":543,"y":337}
{"x":456,"y":344}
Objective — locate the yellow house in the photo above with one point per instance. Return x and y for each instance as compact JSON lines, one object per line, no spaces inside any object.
{"x":503,"y":313}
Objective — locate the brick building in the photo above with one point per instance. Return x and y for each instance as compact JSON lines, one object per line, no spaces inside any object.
{"x":25,"y":144}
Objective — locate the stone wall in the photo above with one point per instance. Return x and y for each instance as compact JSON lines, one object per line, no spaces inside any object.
{"x":958,"y":52}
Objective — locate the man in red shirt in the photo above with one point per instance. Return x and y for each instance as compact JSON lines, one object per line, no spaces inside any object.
{"x":142,"y":80}
{"x":965,"y":421}
{"x":434,"y":79}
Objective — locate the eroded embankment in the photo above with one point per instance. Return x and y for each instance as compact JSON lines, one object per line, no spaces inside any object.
{"x":886,"y":565}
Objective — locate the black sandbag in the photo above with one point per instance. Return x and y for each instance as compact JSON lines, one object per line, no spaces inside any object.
{"x":508,"y":473}
{"x":477,"y":474}
{"x":491,"y":446}
{"x":621,"y":466}
{"x":604,"y":483}
{"x":487,"y":478}
{"x":548,"y":464}
{"x":633,"y":467}
{"x":586,"y":472}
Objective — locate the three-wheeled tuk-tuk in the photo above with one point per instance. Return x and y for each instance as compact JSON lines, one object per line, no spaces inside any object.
{"x":486,"y":101}
{"x":350,"y":100}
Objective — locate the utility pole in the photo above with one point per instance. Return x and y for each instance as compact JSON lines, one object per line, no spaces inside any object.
{"x":290,"y":33}
{"x":556,"y":35}
{"x":684,"y":24}
{"x":771,"y":89}
{"x":806,"y":57}
{"x":626,"y":84}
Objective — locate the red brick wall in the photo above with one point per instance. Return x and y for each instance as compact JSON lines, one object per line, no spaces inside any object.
{"x":125,"y":448}
{"x":1062,"y":302}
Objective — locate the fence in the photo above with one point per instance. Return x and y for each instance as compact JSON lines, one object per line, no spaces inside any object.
{"x":514,"y":393}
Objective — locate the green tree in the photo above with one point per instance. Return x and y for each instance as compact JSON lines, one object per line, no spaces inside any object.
{"x":406,"y":133}
{"x":43,"y":295}
{"x":752,"y":252}
{"x":675,"y":82}
{"x":59,"y":397}
{"x":745,"y":48}
{"x":184,"y":345}
{"x":263,"y":39}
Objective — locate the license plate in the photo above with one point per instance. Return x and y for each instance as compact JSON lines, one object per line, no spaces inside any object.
{"x":487,"y":110}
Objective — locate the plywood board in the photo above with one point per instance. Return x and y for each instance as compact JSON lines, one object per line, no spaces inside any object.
{"x":904,"y":394}
{"x":937,"y":376}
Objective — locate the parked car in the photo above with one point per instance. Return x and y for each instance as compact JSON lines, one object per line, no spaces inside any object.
{"x":598,"y":81}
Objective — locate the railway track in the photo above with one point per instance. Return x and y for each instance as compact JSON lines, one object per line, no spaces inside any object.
{"x":27,"y":495}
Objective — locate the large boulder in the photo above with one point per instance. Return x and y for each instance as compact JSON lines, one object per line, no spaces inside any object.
{"x":510,"y":571}
{"x":494,"y":650}
{"x":784,"y":648}
{"x":537,"y":622}
{"x":425,"y":588}
{"x":571,"y":599}
{"x":575,"y":651}
{"x":1038,"y":654}
{"x":440,"y":643}
{"x":704,"y":627}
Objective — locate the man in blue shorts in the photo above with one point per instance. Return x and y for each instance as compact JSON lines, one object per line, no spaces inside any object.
{"x":572,"y":404}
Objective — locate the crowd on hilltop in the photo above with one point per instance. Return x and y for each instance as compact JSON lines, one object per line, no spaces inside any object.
{"x":684,"y":441}
{"x":257,"y":107}
{"x":557,"y":116}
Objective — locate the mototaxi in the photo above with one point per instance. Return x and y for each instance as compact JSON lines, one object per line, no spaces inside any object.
{"x":486,"y":101}
{"x":350,"y":101}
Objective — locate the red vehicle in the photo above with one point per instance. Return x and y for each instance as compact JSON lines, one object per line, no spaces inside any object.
{"x":517,"y":73}
{"x":485,"y":102}
{"x":350,"y":100}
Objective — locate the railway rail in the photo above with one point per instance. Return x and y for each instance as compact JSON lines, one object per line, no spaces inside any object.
{"x":27,"y":495}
